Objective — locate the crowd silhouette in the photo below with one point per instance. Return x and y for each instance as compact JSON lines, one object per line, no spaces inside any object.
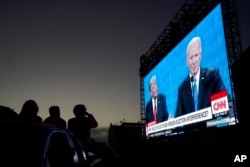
{"x":55,"y":118}
{"x":29,"y":112}
{"x":81,"y":124}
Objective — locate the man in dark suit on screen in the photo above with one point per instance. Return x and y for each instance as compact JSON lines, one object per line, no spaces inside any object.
{"x":156,"y":108}
{"x":201,"y":81}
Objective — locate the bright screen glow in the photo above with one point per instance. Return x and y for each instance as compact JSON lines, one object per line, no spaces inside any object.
{"x":173,"y":69}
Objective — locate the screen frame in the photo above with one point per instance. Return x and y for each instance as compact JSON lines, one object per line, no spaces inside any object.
{"x":183,"y":43}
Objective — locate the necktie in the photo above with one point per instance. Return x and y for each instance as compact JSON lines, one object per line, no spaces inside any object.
{"x":195,"y":94}
{"x":155,"y":111}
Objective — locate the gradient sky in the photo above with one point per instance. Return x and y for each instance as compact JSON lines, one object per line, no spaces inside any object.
{"x":68,"y":52}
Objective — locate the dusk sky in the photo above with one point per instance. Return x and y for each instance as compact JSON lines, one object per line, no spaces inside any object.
{"x":68,"y":52}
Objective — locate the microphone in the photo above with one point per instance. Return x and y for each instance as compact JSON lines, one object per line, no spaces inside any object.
{"x":192,"y":85}
{"x":192,"y":79}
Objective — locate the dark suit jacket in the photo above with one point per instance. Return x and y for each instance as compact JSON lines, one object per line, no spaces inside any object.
{"x":209,"y":84}
{"x":162,"y":112}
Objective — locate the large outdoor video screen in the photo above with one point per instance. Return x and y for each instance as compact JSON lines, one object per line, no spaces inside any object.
{"x":174,"y":88}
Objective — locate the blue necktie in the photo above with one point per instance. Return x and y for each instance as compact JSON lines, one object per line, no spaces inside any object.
{"x":195,"y":94}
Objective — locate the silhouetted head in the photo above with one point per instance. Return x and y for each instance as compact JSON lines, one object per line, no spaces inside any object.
{"x":30,"y":108}
{"x":54,"y":111}
{"x":79,"y":110}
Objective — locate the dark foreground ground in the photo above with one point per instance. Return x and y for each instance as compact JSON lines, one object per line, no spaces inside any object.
{"x":222,"y":148}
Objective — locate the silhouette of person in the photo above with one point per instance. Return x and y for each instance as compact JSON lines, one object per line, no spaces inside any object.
{"x":82,"y":124}
{"x":7,"y":113}
{"x":208,"y":81}
{"x":157,"y":102}
{"x":29,"y":112}
{"x":54,"y":118}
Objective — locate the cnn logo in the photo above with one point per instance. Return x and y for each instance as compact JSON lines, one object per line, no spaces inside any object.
{"x":219,"y":103}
